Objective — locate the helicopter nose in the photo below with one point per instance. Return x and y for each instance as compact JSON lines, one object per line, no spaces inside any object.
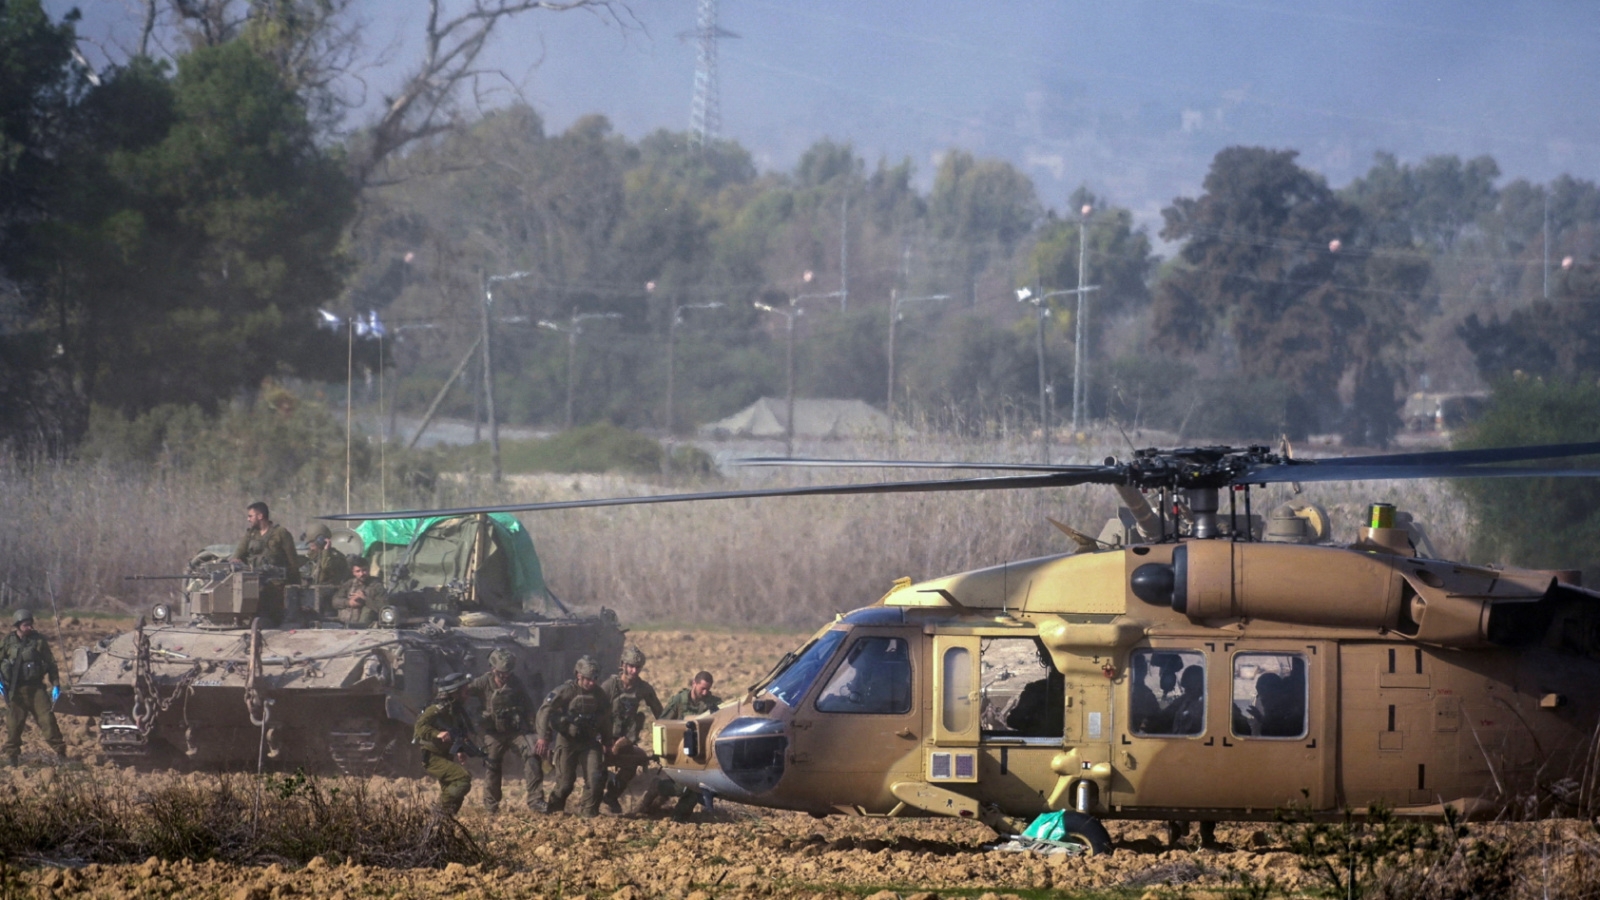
{"x":747,"y":760}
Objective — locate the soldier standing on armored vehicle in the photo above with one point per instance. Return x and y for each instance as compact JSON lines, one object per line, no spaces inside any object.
{"x":628,"y":694}
{"x":359,"y":600}
{"x":507,"y":718}
{"x":576,"y":720}
{"x":25,"y":663}
{"x":444,"y":734}
{"x":694,"y":700}
{"x":268,"y":548}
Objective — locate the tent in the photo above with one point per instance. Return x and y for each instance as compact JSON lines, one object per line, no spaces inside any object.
{"x":826,"y":419}
{"x":438,"y":550}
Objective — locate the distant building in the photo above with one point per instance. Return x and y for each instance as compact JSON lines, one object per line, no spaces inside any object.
{"x":814,"y":419}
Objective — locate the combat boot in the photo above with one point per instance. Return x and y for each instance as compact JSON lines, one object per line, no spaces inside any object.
{"x":537,"y":804}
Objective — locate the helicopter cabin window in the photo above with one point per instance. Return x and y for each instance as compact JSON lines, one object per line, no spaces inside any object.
{"x":1167,"y":693}
{"x":956,"y":704}
{"x":1022,"y":693}
{"x":874,"y":678}
{"x":1269,"y":695}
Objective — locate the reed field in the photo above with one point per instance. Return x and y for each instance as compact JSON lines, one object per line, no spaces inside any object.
{"x":73,"y":530}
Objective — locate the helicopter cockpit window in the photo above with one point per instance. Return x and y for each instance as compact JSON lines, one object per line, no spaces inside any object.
{"x":792,"y":683}
{"x":1023,"y":694}
{"x":1167,"y":693}
{"x":1269,"y":695}
{"x":875,"y":678}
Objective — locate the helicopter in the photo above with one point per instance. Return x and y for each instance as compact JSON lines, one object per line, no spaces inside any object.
{"x":1190,"y":664}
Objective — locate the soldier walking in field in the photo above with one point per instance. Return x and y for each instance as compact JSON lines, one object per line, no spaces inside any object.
{"x":508,"y":717}
{"x":575,"y":721}
{"x":629,"y":695}
{"x":269,"y":549}
{"x":25,"y":663}
{"x":443,"y":731}
{"x":694,"y":700}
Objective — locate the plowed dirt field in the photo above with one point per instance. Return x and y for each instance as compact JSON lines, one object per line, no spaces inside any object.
{"x":733,"y":851}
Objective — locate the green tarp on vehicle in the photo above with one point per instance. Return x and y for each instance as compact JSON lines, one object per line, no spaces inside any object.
{"x":438,"y":550}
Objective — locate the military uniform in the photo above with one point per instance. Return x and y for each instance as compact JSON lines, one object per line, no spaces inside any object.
{"x":324,"y":569}
{"x":681,"y":705}
{"x":508,"y":717}
{"x":628,"y":703}
{"x":274,"y":550}
{"x":25,"y":663}
{"x":445,"y":714}
{"x":374,"y":599}
{"x":579,"y":724}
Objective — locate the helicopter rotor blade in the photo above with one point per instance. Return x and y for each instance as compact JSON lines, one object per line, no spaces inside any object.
{"x":1283,"y":473}
{"x":1461,"y":457}
{"x":812,"y":463}
{"x":1100,"y":475}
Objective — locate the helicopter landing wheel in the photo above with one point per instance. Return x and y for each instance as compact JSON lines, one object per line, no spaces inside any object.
{"x":1086,"y":831}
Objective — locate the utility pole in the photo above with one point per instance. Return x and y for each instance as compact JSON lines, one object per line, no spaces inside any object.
{"x":1042,"y":309}
{"x":572,"y":329}
{"x":488,"y":282}
{"x":672,"y":343}
{"x":844,"y":253}
{"x":895,"y":302}
{"x":789,"y":317}
{"x":1080,"y":394}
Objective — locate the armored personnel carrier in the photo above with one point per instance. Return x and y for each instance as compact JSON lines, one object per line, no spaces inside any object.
{"x":209,"y":683}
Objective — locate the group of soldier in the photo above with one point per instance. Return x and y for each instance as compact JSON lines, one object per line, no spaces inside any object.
{"x":344,"y":584}
{"x":584,"y":727}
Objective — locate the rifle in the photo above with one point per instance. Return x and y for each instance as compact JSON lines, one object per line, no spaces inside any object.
{"x":159,"y":577}
{"x":462,"y":743}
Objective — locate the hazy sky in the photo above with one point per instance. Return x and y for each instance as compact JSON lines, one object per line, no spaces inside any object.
{"x":1132,"y":98}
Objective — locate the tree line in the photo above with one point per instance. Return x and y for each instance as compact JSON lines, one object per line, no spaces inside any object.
{"x":172,"y":227}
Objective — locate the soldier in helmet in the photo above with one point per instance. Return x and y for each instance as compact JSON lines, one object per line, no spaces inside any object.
{"x":508,"y":714}
{"x":575,"y":721}
{"x":440,"y":730}
{"x":324,"y":568}
{"x":25,"y":663}
{"x":628,"y":694}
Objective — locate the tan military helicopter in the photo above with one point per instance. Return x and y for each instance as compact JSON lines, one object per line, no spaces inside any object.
{"x":1190,"y":664}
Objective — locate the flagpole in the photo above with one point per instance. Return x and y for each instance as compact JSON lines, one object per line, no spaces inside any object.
{"x":349,"y":379}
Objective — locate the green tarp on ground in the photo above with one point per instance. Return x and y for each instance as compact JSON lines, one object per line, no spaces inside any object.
{"x":444,"y":547}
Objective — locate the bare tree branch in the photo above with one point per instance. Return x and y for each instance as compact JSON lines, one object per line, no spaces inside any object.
{"x":426,"y":103}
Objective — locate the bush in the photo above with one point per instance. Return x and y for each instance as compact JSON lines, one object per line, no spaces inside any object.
{"x":591,"y":448}
{"x":235,"y":819}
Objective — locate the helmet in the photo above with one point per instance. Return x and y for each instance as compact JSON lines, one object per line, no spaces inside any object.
{"x":587,"y":667}
{"x":501,"y":660}
{"x":319,"y":531}
{"x":21,"y":615}
{"x":633,"y":656}
{"x":451,"y":683}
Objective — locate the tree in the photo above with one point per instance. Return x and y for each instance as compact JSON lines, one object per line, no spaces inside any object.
{"x":1283,"y":281}
{"x":38,"y":406}
{"x":199,"y":235}
{"x":979,"y":210}
{"x":1548,"y":522}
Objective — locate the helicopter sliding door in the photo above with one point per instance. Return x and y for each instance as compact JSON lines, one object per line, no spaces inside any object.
{"x":862,"y":729}
{"x":1243,"y":725}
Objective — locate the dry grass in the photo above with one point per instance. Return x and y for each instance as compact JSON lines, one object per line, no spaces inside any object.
{"x":236,"y":819}
{"x":73,"y":530}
